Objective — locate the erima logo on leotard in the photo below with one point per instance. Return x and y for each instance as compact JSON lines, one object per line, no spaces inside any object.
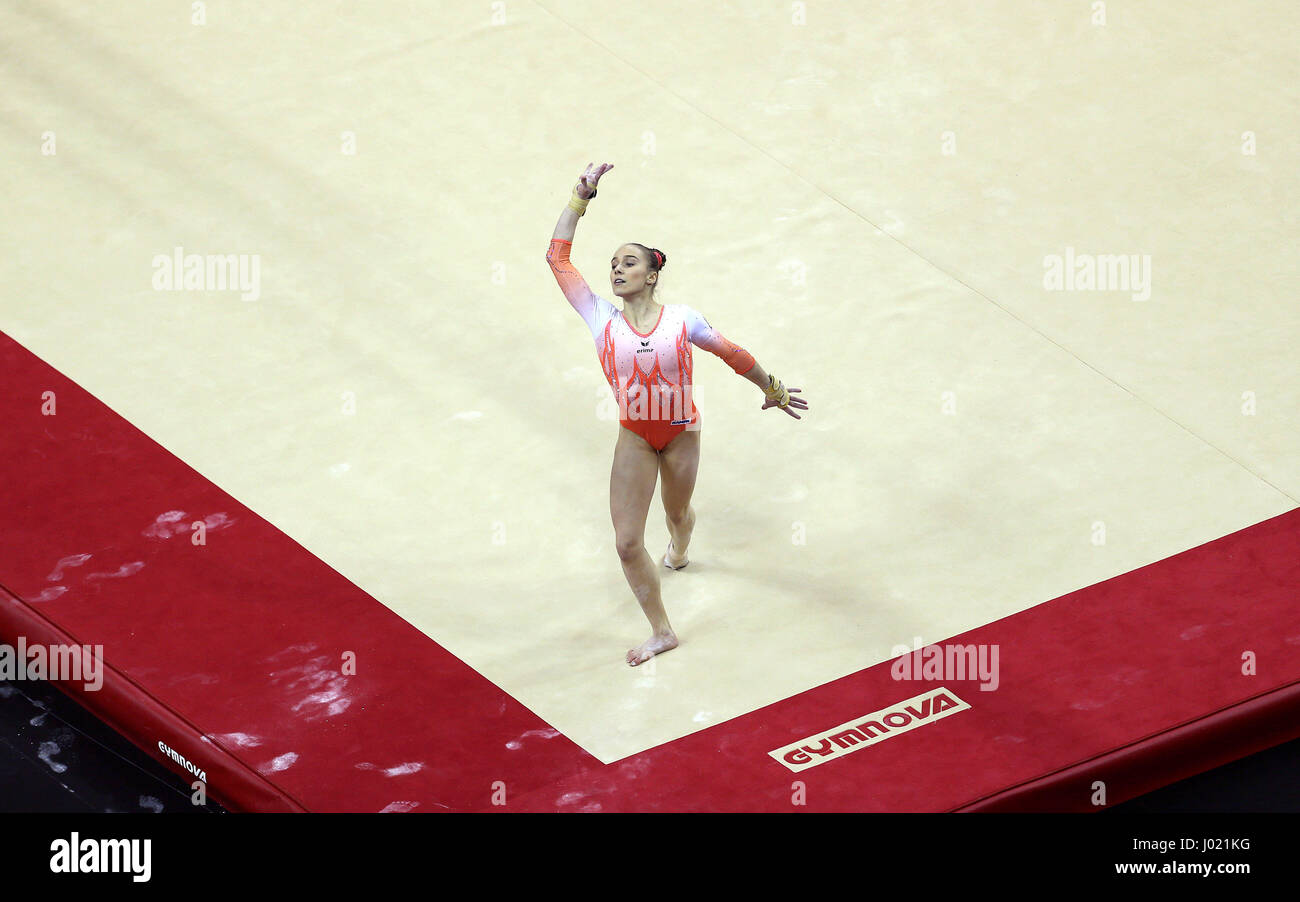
{"x":869,"y":729}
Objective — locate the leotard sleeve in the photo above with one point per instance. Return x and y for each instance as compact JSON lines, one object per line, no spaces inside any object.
{"x":594,"y":310}
{"x":705,"y":336}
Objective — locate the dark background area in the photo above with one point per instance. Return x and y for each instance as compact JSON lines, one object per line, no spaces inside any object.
{"x":57,"y":757}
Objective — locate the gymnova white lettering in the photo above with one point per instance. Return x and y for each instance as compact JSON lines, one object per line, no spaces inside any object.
{"x":181,"y":760}
{"x":869,"y":729}
{"x":102,"y":856}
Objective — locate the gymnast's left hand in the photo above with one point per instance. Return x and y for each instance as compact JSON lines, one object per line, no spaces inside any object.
{"x":793,"y":403}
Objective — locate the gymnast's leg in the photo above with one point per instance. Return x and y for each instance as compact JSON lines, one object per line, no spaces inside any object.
{"x":631,"y":486}
{"x":678,"y":464}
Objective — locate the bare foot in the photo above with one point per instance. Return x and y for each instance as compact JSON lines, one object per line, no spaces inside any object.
{"x":671,"y":560}
{"x":656,"y":644}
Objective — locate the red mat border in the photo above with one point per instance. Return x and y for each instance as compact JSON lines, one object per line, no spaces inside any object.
{"x":134,"y":713}
{"x":1141,"y":767}
{"x":688,"y":774}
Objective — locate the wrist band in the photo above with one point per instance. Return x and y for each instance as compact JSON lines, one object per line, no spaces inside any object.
{"x":775,"y":391}
{"x":579,"y":204}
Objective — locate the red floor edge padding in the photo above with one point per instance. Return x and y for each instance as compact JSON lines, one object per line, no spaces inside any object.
{"x":231,"y":652}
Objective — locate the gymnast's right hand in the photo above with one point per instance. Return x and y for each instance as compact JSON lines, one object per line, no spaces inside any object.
{"x":587,"y":184}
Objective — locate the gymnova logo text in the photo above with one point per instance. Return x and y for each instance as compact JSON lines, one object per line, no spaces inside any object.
{"x":182,"y":761}
{"x":869,"y":729}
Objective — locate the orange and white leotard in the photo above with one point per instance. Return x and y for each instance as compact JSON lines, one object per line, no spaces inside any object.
{"x":650,"y":372}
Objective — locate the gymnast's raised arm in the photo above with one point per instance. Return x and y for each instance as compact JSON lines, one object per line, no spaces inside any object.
{"x":571,"y":282}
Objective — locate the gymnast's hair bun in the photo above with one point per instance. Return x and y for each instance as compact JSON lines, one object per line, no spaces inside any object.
{"x":660,"y":257}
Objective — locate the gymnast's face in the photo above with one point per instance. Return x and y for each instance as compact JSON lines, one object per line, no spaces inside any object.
{"x":629,"y":273}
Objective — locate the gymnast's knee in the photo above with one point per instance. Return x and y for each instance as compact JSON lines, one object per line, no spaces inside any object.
{"x":629,"y":547}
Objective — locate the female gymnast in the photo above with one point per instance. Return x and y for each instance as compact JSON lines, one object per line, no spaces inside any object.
{"x":645,"y":352}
